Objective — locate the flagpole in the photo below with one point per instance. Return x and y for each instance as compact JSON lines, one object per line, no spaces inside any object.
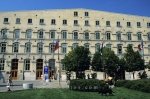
{"x":59,"y":63}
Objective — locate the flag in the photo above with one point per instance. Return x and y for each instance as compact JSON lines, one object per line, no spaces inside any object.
{"x":140,"y":46}
{"x":56,"y":45}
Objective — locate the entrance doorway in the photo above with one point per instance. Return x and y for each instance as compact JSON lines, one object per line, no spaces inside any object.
{"x":39,"y":68}
{"x":14,"y":69}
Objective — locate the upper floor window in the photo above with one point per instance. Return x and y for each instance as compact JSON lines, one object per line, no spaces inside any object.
{"x":17,"y":20}
{"x":2,"y":64}
{"x":53,"y":22}
{"x":64,"y":48}
{"x":86,"y":45}
{"x":29,"y":33}
{"x":27,"y":47}
{"x":97,"y":47}
{"x":75,"y":22}
{"x":148,"y":49}
{"x":128,"y":24}
{"x":52,"y":34}
{"x":3,"y":47}
{"x":41,"y":21}
{"x":29,"y":21}
{"x":4,"y":33}
{"x":108,"y":46}
{"x":129,"y":37}
{"x":148,"y":24}
{"x":64,"y":35}
{"x":75,"y":13}
{"x":16,"y":34}
{"x":119,"y":48}
{"x":148,"y":36}
{"x":51,"y":47}
{"x":86,"y":14}
{"x":97,"y":35}
{"x":27,"y":64}
{"x":40,"y":34}
{"x":40,"y":47}
{"x":108,"y":36}
{"x":74,"y":45}
{"x":97,"y":23}
{"x":138,"y":24}
{"x":86,"y":23}
{"x":75,"y":35}
{"x":139,"y":36}
{"x":16,"y":47}
{"x":118,"y":24}
{"x":118,"y":36}
{"x":86,"y":36}
{"x":5,"y":20}
{"x":108,"y":23}
{"x":64,"y":22}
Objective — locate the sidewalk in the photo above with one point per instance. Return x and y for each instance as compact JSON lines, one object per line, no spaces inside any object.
{"x":18,"y":85}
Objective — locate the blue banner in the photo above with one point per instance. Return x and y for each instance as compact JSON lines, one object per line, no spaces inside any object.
{"x":45,"y":69}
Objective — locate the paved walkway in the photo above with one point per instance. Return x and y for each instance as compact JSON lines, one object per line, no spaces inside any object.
{"x":18,"y":85}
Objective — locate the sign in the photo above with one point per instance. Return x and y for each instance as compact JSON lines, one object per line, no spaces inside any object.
{"x":45,"y":69}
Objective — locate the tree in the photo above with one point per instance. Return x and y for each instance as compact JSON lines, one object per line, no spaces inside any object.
{"x":142,"y":75}
{"x":77,"y":60}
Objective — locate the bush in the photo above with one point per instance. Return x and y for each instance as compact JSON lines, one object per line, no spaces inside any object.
{"x":85,"y":84}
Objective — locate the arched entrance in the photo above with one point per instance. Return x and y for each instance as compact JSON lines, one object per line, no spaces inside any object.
{"x":52,"y":69}
{"x":14,"y":68}
{"x":39,"y":68}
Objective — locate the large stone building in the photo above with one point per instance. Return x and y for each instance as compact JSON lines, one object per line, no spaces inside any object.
{"x":27,"y":38}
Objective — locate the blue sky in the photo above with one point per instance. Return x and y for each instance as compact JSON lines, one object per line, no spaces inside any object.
{"x":135,"y":7}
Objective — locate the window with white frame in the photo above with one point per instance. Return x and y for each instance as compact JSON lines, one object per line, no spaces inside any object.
{"x":17,"y":20}
{"x":75,"y":35}
{"x":16,"y":34}
{"x":97,"y":35}
{"x":4,"y":33}
{"x":75,"y":22}
{"x":86,"y":14}
{"x":108,"y":23}
{"x":3,"y":47}
{"x":108,"y":46}
{"x":139,"y":36}
{"x":52,"y":34}
{"x":148,"y":49}
{"x":138,"y":24}
{"x":40,"y":34}
{"x":40,"y":47}
{"x":129,"y":36}
{"x":118,"y":36}
{"x":118,"y":24}
{"x":16,"y":47}
{"x":5,"y":20}
{"x":97,"y":47}
{"x":86,"y":45}
{"x":64,"y":48}
{"x":64,"y":35}
{"x":27,"y":47}
{"x":128,"y":24}
{"x":148,"y":36}
{"x":119,"y":48}
{"x":29,"y":33}
{"x":75,"y":13}
{"x":74,"y":45}
{"x":29,"y":21}
{"x":86,"y":36}
{"x":64,"y":22}
{"x":2,"y":64}
{"x":41,"y":21}
{"x":27,"y":64}
{"x":53,"y":22}
{"x":108,"y":36}
{"x":97,"y":23}
{"x":86,"y":23}
{"x":148,"y":24}
{"x":51,"y":47}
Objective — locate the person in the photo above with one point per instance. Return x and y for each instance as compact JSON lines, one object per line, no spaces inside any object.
{"x":9,"y":83}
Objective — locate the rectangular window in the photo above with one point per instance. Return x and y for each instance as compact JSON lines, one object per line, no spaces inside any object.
{"x":108,"y":37}
{"x":51,"y":47}
{"x":118,"y":36}
{"x":64,"y":22}
{"x":27,"y":47}
{"x":52,"y":34}
{"x":86,"y":14}
{"x":29,"y":33}
{"x":108,"y":46}
{"x":4,"y":33}
{"x":75,"y":14}
{"x":138,"y":24}
{"x":139,"y":36}
{"x":75,"y":35}
{"x":108,"y":23}
{"x":2,"y":64}
{"x":148,"y":24}
{"x":86,"y":23}
{"x":17,"y":20}
{"x":53,"y":22}
{"x":148,"y":36}
{"x":40,"y":34}
{"x":128,"y":24}
{"x":75,"y":22}
{"x":97,"y":47}
{"x":119,"y":49}
{"x":2,"y":47}
{"x":148,"y":49}
{"x":16,"y":47}
{"x":97,"y":23}
{"x":16,"y":34}
{"x":86,"y":36}
{"x":29,"y":21}
{"x":86,"y":46}
{"x":27,"y":64}
{"x":64,"y":34}
{"x":40,"y":48}
{"x":118,"y":24}
{"x":64,"y":48}
{"x":41,"y":21}
{"x":129,"y":37}
{"x":5,"y":20}
{"x":97,"y":35}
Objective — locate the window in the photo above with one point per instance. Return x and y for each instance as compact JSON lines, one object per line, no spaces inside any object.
{"x":27,"y":64}
{"x":75,"y":22}
{"x":108,"y":37}
{"x":40,"y":47}
{"x":118,"y":36}
{"x":5,"y":20}
{"x":74,"y":45}
{"x":128,"y":24}
{"x":52,"y":63}
{"x":97,"y":47}
{"x":148,"y":24}
{"x":40,"y":34}
{"x":64,"y":48}
{"x":139,"y":36}
{"x":3,"y":47}
{"x":4,"y":33}
{"x":51,"y":47}
{"x":108,"y":46}
{"x":16,"y":47}
{"x":97,"y":23}
{"x":41,"y":21}
{"x":118,"y":24}
{"x":138,"y":24}
{"x":86,"y":35}
{"x":129,"y":37}
{"x":148,"y":36}
{"x":86,"y":23}
{"x":14,"y":64}
{"x":75,"y":35}
{"x":97,"y":35}
{"x":86,"y":14}
{"x":27,"y":47}
{"x":53,"y":22}
{"x":29,"y":33}
{"x":64,"y":35}
{"x":29,"y":21}
{"x":16,"y":34}
{"x":64,"y":22}
{"x":86,"y":45}
{"x":119,"y":49}
{"x":52,"y":34}
{"x":2,"y":64}
{"x":75,"y":13}
{"x":108,"y":23}
{"x":17,"y":20}
{"x":148,"y":49}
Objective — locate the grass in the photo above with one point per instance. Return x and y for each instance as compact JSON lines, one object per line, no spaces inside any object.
{"x":120,"y":93}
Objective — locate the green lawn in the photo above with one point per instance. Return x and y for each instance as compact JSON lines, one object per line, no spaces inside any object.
{"x":120,"y":93}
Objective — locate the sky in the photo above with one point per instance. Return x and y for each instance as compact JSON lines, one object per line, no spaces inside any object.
{"x":134,"y":7}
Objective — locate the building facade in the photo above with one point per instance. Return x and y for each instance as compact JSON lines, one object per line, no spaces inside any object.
{"x":27,"y":38}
